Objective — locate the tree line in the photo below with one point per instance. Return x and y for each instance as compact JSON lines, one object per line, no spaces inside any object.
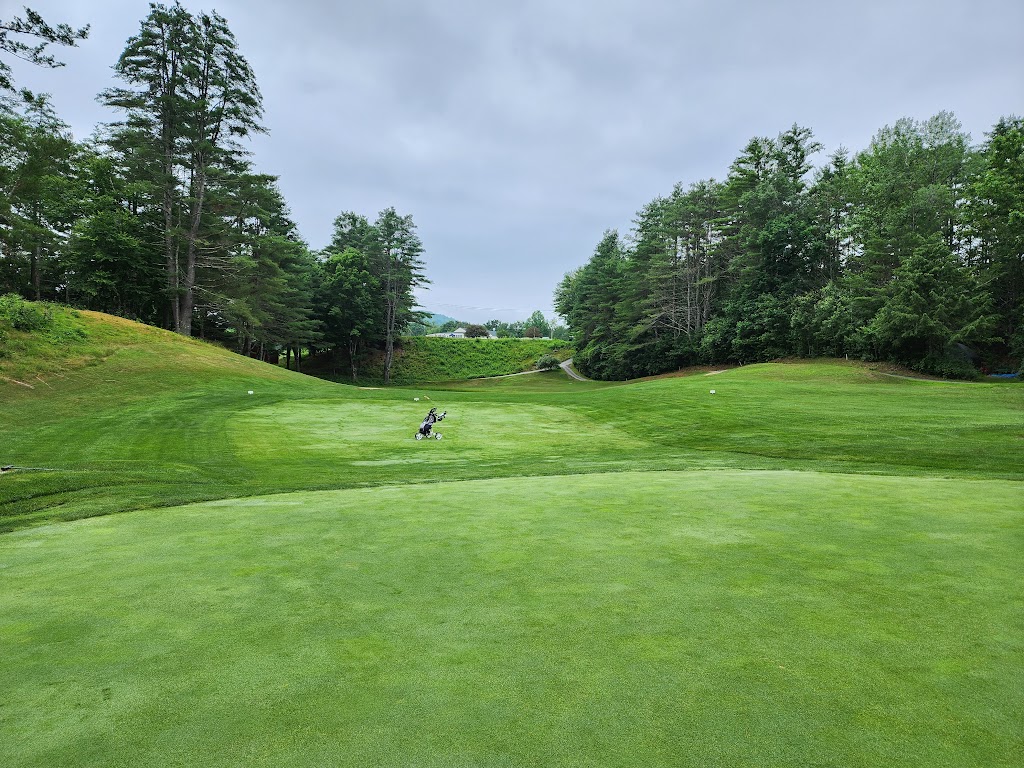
{"x":536,"y":326}
{"x":910,"y":251}
{"x":162,"y":217}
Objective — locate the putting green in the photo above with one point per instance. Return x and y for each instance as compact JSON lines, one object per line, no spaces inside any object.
{"x":665,"y":618}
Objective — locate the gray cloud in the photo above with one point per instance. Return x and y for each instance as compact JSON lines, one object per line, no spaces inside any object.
{"x":515,"y":133}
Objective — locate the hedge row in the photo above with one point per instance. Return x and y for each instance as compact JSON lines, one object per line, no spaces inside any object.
{"x":421,"y":359}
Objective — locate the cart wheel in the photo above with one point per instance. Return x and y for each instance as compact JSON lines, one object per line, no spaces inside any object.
{"x":438,"y":435}
{"x":419,"y":435}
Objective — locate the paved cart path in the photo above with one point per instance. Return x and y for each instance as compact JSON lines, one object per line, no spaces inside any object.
{"x":566,"y":366}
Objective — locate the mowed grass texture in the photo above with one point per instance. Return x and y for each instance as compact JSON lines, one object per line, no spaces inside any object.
{"x":694,"y":618}
{"x":816,"y":565}
{"x":135,"y":417}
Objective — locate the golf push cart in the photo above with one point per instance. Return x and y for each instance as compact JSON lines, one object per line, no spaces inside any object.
{"x":428,"y":424}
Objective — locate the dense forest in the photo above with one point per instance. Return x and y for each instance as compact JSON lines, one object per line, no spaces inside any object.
{"x":911,"y":251}
{"x":161,"y":216}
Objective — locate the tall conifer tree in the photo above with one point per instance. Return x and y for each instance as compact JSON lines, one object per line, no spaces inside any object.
{"x":191,"y":95}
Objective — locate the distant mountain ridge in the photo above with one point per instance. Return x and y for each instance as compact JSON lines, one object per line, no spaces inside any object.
{"x":439,"y":319}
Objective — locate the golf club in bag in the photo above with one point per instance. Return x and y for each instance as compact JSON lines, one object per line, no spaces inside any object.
{"x":427,"y":426}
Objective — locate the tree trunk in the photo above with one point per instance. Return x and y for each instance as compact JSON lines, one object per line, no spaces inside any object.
{"x":36,"y":280}
{"x":389,"y":353}
{"x":170,"y":260}
{"x":389,"y":337}
{"x":353,"y":348}
{"x":169,"y":183}
{"x":192,"y":250}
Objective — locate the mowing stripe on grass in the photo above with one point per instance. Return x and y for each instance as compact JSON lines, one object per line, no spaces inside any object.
{"x":666,"y":618}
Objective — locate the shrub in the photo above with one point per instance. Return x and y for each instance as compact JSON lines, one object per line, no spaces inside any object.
{"x":67,"y":334}
{"x":948,"y":367}
{"x":547,"y":362}
{"x":24,"y":315}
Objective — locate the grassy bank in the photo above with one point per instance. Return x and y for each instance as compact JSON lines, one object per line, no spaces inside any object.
{"x":420,"y":360}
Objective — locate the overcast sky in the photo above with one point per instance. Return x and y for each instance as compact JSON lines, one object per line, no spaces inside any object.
{"x":516,"y":132}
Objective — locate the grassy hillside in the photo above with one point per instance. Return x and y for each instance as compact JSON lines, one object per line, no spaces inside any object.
{"x":816,"y":564}
{"x":69,"y":341}
{"x":419,"y":360}
{"x":115,"y":415}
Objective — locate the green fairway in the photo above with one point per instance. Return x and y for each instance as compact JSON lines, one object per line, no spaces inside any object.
{"x":141,"y":418}
{"x":706,"y":618}
{"x":818,"y":564}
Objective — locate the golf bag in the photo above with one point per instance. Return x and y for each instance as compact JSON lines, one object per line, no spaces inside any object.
{"x":428,"y":425}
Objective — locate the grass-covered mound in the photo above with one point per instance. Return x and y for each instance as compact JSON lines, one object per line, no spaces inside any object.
{"x":114,"y":415}
{"x":727,"y":618}
{"x":42,"y":345}
{"x":421,"y":360}
{"x":41,"y":339}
